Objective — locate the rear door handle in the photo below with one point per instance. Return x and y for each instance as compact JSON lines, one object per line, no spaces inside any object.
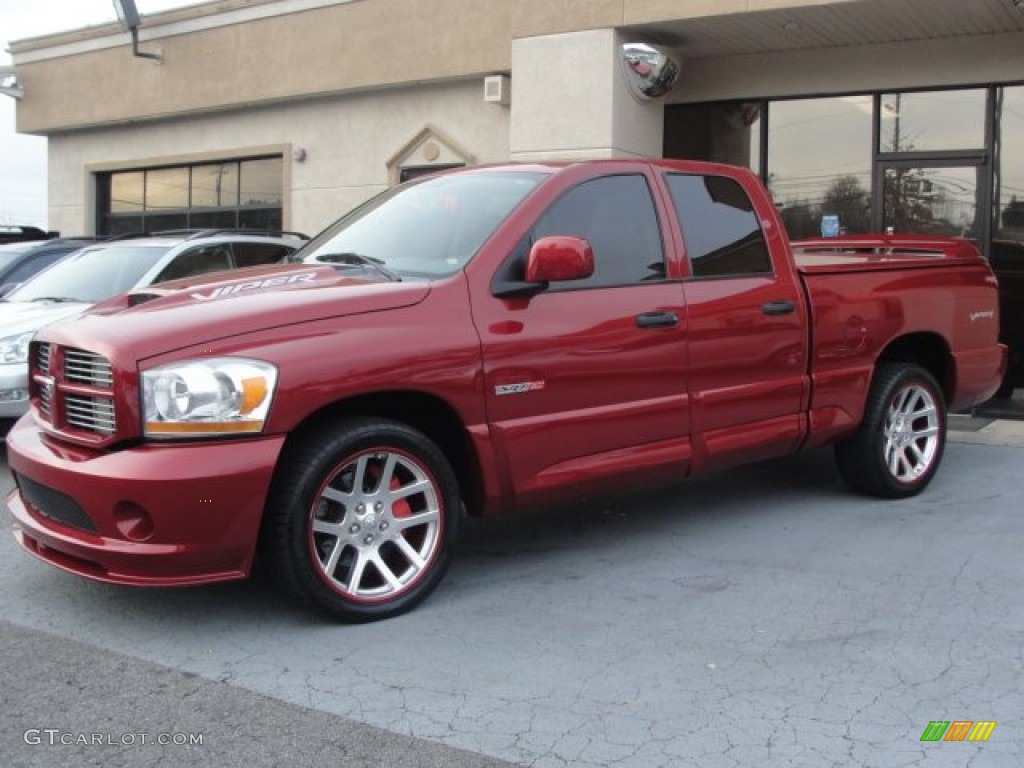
{"x":657,"y":319}
{"x":783,"y":307}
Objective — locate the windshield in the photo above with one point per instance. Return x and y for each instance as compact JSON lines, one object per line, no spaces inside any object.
{"x":91,"y":275}
{"x":429,"y":228}
{"x":9,"y":255}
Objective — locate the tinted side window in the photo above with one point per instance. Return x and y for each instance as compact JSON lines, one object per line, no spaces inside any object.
{"x":616,"y":215}
{"x":254,"y":254}
{"x":197,"y":262}
{"x":720,"y":229}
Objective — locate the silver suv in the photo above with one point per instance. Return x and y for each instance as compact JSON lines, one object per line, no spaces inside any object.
{"x":98,"y":272}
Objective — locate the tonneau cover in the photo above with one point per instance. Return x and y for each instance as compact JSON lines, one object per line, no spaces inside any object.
{"x":855,"y":253}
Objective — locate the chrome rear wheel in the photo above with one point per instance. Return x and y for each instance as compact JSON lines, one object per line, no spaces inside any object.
{"x":899,"y":444}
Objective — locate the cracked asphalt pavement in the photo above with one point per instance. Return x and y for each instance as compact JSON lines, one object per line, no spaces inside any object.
{"x":762,"y":616}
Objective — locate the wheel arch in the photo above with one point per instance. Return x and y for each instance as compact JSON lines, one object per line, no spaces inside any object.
{"x":431,"y":415}
{"x":930,"y":351}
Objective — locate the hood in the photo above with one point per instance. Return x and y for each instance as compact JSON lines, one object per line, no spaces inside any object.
{"x":17,"y":317}
{"x":182,"y":313}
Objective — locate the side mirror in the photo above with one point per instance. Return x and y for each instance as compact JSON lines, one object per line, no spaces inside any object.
{"x":559,"y":258}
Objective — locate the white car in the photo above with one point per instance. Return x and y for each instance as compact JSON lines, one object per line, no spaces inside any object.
{"x":98,"y":272}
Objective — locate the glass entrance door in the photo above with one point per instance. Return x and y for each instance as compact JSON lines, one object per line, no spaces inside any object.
{"x":946,"y":199}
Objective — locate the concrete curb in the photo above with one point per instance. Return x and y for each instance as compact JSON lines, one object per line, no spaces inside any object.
{"x":966,"y":429}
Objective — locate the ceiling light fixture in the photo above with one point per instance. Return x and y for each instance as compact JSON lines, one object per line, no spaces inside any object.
{"x":9,"y":83}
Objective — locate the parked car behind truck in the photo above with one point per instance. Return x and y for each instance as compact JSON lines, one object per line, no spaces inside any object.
{"x":21,"y":261}
{"x":102,"y":270}
{"x":485,"y":340}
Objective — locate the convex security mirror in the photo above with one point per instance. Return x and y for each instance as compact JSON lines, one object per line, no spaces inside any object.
{"x":650,"y":72}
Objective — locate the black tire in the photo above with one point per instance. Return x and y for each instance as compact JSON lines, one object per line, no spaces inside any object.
{"x":337,"y":536}
{"x":1005,"y":391}
{"x":900,"y":443}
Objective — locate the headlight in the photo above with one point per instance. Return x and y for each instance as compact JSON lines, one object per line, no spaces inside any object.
{"x":215,"y":396}
{"x":14,"y":349}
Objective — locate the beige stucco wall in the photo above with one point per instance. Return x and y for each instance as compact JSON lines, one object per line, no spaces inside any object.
{"x":572,"y":101}
{"x":348,"y":141}
{"x":89,"y":77}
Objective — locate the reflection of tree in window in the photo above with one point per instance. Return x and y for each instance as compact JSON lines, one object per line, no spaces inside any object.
{"x":815,"y":147}
{"x":931,"y":201}
{"x":847,"y":198}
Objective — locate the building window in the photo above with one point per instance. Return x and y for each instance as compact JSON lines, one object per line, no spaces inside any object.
{"x":932,"y":121}
{"x":819,"y":163}
{"x":410,"y":172}
{"x":724,"y":133}
{"x":236,"y":194}
{"x":1009,"y":179}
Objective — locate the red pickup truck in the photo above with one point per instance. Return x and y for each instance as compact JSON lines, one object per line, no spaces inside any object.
{"x":489,"y":339}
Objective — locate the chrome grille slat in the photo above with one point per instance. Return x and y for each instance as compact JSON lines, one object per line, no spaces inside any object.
{"x":43,"y":357}
{"x":45,"y":396}
{"x":84,"y":367}
{"x":91,"y":413}
{"x":45,"y":392}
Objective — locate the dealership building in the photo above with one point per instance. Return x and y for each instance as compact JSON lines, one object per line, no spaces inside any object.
{"x":859,"y":114}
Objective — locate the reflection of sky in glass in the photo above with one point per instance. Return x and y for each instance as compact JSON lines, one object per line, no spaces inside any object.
{"x":126,"y":192}
{"x":261,"y":181}
{"x":215,"y":186}
{"x":813,"y":142}
{"x":167,"y":188}
{"x":1011,"y":165}
{"x":938,"y":120}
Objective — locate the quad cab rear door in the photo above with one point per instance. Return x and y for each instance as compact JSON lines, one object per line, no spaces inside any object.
{"x":747,"y":320}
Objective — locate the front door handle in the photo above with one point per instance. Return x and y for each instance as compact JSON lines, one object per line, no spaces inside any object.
{"x":657,"y":319}
{"x":783,"y":307}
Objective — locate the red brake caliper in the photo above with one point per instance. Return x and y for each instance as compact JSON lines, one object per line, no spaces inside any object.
{"x":401,"y":507}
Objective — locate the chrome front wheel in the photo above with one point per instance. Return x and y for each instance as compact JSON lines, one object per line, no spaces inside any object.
{"x":362,"y":518}
{"x":375,"y":527}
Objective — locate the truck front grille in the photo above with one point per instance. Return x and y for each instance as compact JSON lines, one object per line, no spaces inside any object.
{"x":74,"y":389}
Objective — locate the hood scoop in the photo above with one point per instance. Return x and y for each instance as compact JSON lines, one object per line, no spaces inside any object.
{"x":134,"y":299}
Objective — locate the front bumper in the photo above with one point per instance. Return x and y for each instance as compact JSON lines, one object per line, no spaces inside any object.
{"x":158,"y":515}
{"x":13,"y":390}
